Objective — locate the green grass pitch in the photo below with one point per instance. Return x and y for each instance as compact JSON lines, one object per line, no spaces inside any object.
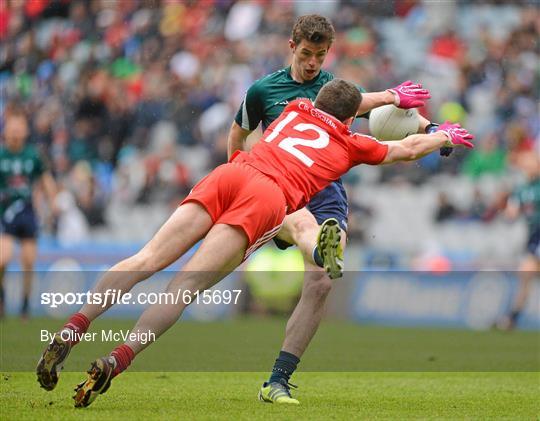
{"x":214,"y":370}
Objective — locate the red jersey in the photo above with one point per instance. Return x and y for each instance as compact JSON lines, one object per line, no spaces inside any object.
{"x":305,"y":149}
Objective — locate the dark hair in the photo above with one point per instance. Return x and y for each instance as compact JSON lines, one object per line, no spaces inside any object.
{"x":313,"y":28}
{"x":339,"y":98}
{"x":14,"y":109}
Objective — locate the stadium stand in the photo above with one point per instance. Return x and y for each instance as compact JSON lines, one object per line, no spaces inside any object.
{"x":131,"y":103}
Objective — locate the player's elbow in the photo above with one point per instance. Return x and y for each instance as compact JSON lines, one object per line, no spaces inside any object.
{"x":410,"y":154}
{"x":412,"y":149}
{"x":236,"y":139}
{"x":408,"y":149}
{"x":403,"y":151}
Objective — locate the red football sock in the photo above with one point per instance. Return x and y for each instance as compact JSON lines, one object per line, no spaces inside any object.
{"x":123,"y":355}
{"x":79,"y":323}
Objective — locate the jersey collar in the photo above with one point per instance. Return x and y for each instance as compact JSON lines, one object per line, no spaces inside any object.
{"x":342,"y":128}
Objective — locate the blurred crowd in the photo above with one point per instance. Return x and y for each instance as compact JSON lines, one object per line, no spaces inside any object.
{"x":132,"y":100}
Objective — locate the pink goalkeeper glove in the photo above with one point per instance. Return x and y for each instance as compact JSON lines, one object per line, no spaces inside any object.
{"x":456,"y":135}
{"x":409,"y":95}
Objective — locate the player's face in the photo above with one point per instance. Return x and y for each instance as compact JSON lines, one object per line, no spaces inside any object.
{"x":15,"y":132}
{"x":308,"y":58}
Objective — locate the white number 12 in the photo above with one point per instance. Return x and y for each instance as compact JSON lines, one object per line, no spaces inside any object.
{"x":288,"y":144}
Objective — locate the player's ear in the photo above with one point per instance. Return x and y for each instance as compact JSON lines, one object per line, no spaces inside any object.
{"x":349,"y":121}
{"x":292,"y":45}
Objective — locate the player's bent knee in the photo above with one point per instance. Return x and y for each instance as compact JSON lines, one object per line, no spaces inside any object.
{"x":304,"y":225}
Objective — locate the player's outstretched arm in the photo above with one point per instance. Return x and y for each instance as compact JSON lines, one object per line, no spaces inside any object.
{"x":236,"y":140}
{"x":405,"y":95}
{"x":418,"y":145}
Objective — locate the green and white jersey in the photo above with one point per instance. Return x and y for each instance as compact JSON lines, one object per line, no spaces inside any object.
{"x":267,"y":97}
{"x":18,"y":173}
{"x":527,"y":197}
